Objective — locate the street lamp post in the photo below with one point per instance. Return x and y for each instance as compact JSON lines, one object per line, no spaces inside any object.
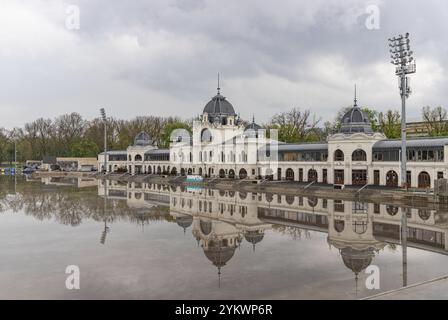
{"x":401,"y":55}
{"x":103,"y":115}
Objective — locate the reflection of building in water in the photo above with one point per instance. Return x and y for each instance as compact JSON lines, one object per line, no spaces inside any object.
{"x":147,"y":201}
{"x":78,"y":182}
{"x":221,"y":220}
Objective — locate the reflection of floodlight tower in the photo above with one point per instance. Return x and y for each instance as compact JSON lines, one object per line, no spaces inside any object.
{"x":104,"y":233}
{"x":401,"y":55}
{"x":103,"y":115}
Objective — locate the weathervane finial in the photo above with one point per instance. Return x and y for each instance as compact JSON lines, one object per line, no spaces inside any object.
{"x":356,"y":100}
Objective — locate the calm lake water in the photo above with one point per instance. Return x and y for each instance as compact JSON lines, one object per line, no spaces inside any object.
{"x":146,"y":241}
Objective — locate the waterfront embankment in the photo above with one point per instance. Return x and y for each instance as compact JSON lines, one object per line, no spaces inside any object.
{"x":374,"y":194}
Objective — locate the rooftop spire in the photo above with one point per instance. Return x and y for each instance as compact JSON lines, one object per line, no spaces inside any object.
{"x":219,"y":89}
{"x":356,"y":100}
{"x":253,"y":118}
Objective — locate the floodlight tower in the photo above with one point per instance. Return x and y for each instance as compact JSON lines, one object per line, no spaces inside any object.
{"x":401,"y":54}
{"x":103,"y":115}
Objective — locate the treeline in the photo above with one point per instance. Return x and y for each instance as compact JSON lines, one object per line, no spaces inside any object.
{"x":70,"y":135}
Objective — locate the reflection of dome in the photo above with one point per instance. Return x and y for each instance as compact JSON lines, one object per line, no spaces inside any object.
{"x":184,"y":221}
{"x":253,"y":236}
{"x":218,"y":255}
{"x":142,"y":139}
{"x":219,"y":106}
{"x":357,"y":260}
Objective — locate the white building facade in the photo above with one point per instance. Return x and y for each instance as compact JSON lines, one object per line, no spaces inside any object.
{"x":222,"y":146}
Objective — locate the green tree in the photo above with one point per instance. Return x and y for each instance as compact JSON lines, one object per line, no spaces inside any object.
{"x":390,"y":124}
{"x":83,"y":148}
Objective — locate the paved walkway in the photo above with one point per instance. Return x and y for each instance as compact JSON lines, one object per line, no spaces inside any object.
{"x":436,"y":289}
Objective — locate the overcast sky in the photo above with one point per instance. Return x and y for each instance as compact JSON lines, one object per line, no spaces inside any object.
{"x":161,"y":57}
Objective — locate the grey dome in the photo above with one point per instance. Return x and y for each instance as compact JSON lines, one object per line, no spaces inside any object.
{"x":356,"y":120}
{"x":253,"y":236}
{"x":142,"y":139}
{"x":357,"y":260}
{"x":252,"y":129}
{"x":219,"y":106}
{"x":184,"y":221}
{"x":219,"y":255}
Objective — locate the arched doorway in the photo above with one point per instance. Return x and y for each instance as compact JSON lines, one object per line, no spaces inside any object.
{"x":149,"y":170}
{"x":190,"y":172}
{"x":222,"y":173}
{"x":200,"y":171}
{"x":312,"y":175}
{"x":289,"y":174}
{"x":182,"y":172}
{"x":424,"y":180}
{"x":232,"y":174}
{"x":391,"y":179}
{"x":159,"y":170}
{"x":174,"y":171}
{"x":243,"y":174}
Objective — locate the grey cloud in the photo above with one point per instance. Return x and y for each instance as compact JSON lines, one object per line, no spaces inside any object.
{"x":161,"y":57}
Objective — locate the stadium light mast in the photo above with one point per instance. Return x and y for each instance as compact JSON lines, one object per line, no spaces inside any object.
{"x":103,"y":116}
{"x":401,"y":55}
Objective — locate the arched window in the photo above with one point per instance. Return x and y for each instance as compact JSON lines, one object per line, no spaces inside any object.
{"x":174,"y":171}
{"x":232,"y":174}
{"x":206,"y":227}
{"x":290,"y":174}
{"x":289,"y":199}
{"x":359,"y":155}
{"x":339,"y":225}
{"x":242,"y":194}
{"x":391,"y":210}
{"x":190,"y":171}
{"x":312,"y":201}
{"x":424,"y":214}
{"x":338,"y":155}
{"x":424,"y":180}
{"x":206,"y":135}
{"x":222,"y":173}
{"x":312,"y":175}
{"x":243,"y":174}
{"x":391,"y":179}
{"x":200,"y":171}
{"x":359,"y":227}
